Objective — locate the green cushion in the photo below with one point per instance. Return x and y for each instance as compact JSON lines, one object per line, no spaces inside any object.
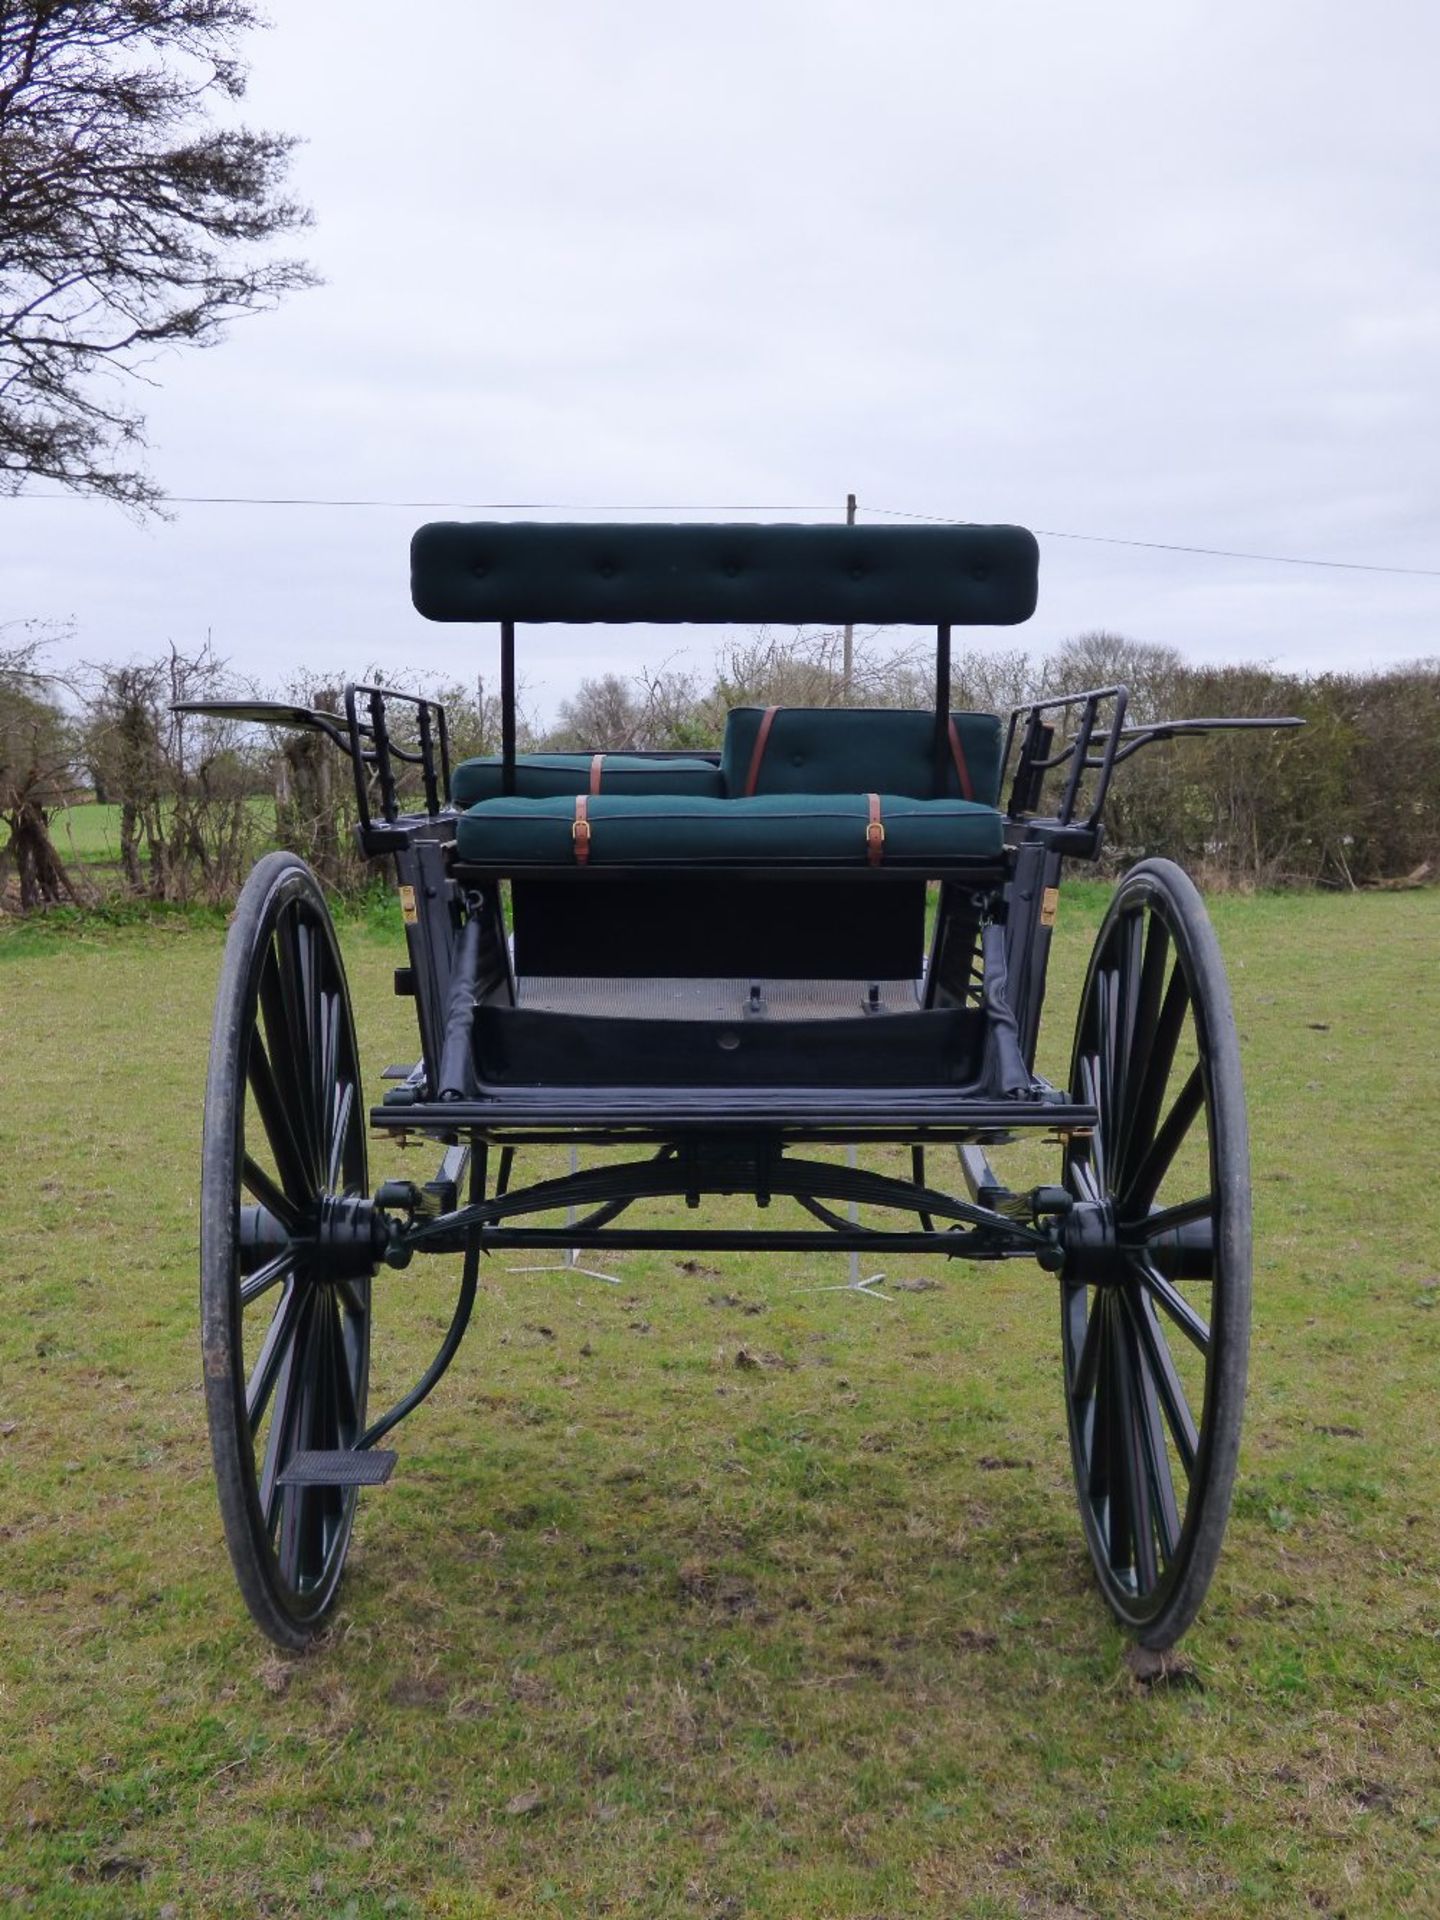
{"x":539,"y":776}
{"x":826,"y":574}
{"x":679,"y":830}
{"x":851,"y":749}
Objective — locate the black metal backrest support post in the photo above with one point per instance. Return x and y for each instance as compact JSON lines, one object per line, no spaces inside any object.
{"x":427,"y":760}
{"x":942,"y":706}
{"x":383,"y":768}
{"x":507,"y":706}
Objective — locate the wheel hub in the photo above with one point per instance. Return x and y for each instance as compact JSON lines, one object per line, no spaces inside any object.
{"x":1092,"y":1244}
{"x":350,"y":1238}
{"x":343,"y":1239}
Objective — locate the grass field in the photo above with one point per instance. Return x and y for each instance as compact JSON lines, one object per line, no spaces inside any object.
{"x":636,"y":1630}
{"x":87,"y":835}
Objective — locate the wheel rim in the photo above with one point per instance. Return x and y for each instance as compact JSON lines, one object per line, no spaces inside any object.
{"x":1155,"y":1288}
{"x":296,"y":1252}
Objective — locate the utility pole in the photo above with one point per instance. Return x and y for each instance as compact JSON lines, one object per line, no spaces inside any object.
{"x":848,"y":672}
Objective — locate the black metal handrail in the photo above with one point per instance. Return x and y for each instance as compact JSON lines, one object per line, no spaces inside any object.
{"x":383,"y":751}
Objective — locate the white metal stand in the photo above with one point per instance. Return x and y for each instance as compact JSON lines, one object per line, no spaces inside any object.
{"x":854,"y":1284}
{"x":571,"y":1261}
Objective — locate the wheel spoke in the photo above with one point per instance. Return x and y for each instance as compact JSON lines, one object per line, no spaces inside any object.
{"x":1170,"y":1298}
{"x":1090,"y":1088}
{"x":293,"y":1012}
{"x":1106,"y":1008}
{"x":1131,"y":1453}
{"x":297,"y":1176}
{"x":1131,"y":944}
{"x":352,"y":1299}
{"x":1083,"y":1176}
{"x":273,"y":1356}
{"x":280,"y":1442}
{"x":1145,"y":1005}
{"x":1100,"y":1475}
{"x":1087,"y":1348}
{"x":274,"y":1270}
{"x":329,"y":1047}
{"x":312,"y":997}
{"x":1166,"y":1379}
{"x":301,"y":1547}
{"x":287,"y":1048}
{"x":1163,"y":1511}
{"x":347,"y":1413}
{"x":1169,"y":1219}
{"x":1149,"y":1096}
{"x":1138,"y":1192}
{"x":1111,"y":1418}
{"x":290,"y":1420}
{"x":339,"y":1138}
{"x":261,"y":1187}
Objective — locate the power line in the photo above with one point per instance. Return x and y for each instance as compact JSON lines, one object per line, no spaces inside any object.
{"x":418,"y":506}
{"x":1174,"y":546}
{"x":889,"y":513}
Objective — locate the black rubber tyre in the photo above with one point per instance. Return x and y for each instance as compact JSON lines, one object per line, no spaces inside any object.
{"x":285,"y":1261}
{"x":1155,"y":1293}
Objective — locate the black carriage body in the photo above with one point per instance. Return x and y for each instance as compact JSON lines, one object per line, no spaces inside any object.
{"x":726,"y":1003}
{"x":722,"y":965}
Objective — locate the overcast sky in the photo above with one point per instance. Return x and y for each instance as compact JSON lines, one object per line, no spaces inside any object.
{"x":1158,"y":270}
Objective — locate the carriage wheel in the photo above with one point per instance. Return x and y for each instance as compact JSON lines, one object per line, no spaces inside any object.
{"x":286,"y":1246}
{"x":1155,"y":1292}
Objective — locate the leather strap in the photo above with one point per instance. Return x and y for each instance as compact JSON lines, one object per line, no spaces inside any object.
{"x":957,"y":754}
{"x":596,"y":762}
{"x":762,"y":740}
{"x":875,"y":832}
{"x":580,"y":831}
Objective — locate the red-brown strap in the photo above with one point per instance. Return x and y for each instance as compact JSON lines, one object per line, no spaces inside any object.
{"x":580,"y":831}
{"x":596,"y":762}
{"x":957,"y":754}
{"x":762,"y":740}
{"x":875,"y":832}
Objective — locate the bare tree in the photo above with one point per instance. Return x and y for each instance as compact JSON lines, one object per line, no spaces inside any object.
{"x":37,"y":776}
{"x":187,"y":793}
{"x":128,"y":222}
{"x":607,"y":712}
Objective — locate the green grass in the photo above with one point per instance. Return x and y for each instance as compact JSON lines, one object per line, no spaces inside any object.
{"x":636,"y":1631}
{"x":88,"y":834}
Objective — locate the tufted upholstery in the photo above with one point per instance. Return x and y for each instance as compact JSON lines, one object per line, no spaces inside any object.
{"x":918,"y":575}
{"x":827,"y":830}
{"x":852,"y":750}
{"x":539,"y":776}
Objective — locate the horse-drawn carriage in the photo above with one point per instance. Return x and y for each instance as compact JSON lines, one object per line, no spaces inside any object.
{"x":720,"y":967}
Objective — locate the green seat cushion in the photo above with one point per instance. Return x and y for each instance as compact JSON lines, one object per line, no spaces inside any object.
{"x":540,"y":776}
{"x":852,"y":749}
{"x":681,"y":830}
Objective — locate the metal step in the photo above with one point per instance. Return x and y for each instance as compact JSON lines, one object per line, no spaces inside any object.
{"x":344,"y":1468}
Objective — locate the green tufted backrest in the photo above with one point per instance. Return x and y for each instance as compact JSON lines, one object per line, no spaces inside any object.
{"x":825,"y":574}
{"x":860,"y":750}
